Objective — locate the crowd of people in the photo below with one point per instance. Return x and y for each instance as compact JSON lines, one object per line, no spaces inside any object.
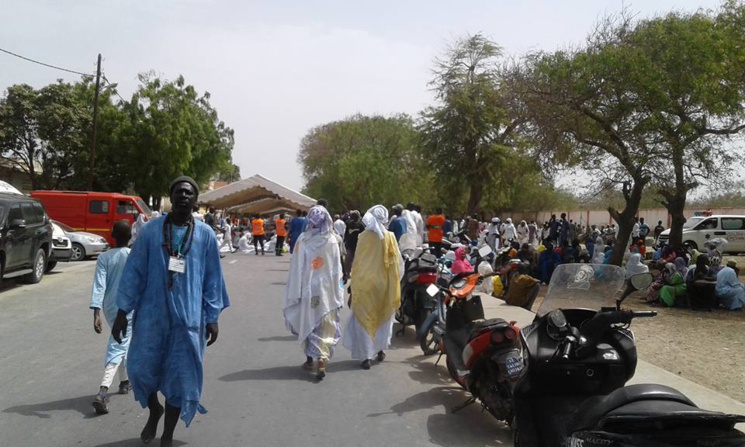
{"x":349,"y":257}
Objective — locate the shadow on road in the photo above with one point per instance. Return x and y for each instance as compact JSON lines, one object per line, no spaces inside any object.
{"x":279,"y":283}
{"x":469,"y":426}
{"x":291,"y":372}
{"x":428,"y":373}
{"x":279,"y":338}
{"x":134,"y":442}
{"x":80,"y":404}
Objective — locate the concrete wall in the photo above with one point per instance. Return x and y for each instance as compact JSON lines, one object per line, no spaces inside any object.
{"x":601,"y":217}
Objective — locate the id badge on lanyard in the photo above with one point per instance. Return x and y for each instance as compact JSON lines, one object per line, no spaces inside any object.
{"x":176,"y":264}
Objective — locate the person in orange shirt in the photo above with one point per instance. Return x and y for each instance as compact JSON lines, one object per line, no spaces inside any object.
{"x":280,"y":225}
{"x":435,"y":225}
{"x":257,"y":230}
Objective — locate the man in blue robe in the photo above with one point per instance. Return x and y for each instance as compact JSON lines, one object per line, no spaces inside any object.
{"x":173,"y":282}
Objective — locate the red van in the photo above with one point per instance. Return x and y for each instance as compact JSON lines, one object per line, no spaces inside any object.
{"x":94,"y":212}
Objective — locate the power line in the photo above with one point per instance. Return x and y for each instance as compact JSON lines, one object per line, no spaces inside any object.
{"x":46,"y":65}
{"x":113,"y":87}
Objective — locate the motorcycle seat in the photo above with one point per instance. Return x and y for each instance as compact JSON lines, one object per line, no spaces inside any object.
{"x":493,"y":323}
{"x":593,"y":410}
{"x":653,"y":415}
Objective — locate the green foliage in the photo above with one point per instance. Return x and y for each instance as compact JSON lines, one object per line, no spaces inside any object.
{"x":41,"y":131}
{"x":165,"y":131}
{"x":173,"y":131}
{"x":469,"y":137}
{"x":362,"y":161}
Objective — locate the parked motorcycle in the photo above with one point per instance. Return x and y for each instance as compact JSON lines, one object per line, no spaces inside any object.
{"x":571,"y":391}
{"x":420,"y":271}
{"x":482,"y":356}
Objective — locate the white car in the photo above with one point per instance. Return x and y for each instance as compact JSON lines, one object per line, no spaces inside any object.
{"x":699,"y":229}
{"x":61,"y":246}
{"x":84,"y":244}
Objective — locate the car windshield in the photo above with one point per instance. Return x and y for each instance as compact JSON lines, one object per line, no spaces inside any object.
{"x":692,"y":222}
{"x":589,"y":286}
{"x":145,"y":208}
{"x":65,"y":228}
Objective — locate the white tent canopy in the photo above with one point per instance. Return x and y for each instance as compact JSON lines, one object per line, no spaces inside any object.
{"x":256,"y":195}
{"x":7,"y":187}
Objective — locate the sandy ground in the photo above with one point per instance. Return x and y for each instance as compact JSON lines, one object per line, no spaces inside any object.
{"x":705,"y":347}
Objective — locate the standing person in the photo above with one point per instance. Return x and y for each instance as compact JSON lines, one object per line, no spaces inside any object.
{"x":376,"y":291}
{"x":339,"y":226}
{"x":643,"y":229}
{"x":398,"y":223}
{"x":314,"y":296}
{"x":563,"y":230}
{"x":509,"y":232}
{"x":297,"y":226}
{"x":227,"y":234}
{"x":472,"y":227}
{"x":553,"y":229}
{"x":420,"y":227}
{"x":173,"y":282}
{"x":257,"y":231}
{"x":658,"y":230}
{"x":109,"y":267}
{"x":635,"y":231}
{"x":280,"y":226}
{"x":412,"y":239}
{"x":533,"y":238}
{"x":209,"y":218}
{"x":523,"y":232}
{"x":354,"y":228}
{"x":435,"y":228}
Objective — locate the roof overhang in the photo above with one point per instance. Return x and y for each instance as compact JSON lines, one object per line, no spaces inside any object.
{"x":256,"y":195}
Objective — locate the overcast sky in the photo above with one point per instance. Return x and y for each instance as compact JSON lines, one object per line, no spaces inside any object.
{"x":275,"y":69}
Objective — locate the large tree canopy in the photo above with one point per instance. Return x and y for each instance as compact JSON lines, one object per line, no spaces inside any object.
{"x":364,"y":160}
{"x":165,"y":130}
{"x":472,"y":131}
{"x":642,"y":102}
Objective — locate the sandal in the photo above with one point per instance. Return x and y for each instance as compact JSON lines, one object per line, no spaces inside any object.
{"x":321,"y":372}
{"x":308,"y":366}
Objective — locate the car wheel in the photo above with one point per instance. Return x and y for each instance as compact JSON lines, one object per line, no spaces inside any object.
{"x":78,"y":252}
{"x":51,"y":265}
{"x":39,"y":266}
{"x":691,"y":244}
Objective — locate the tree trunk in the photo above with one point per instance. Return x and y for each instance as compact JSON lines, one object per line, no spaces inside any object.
{"x":675,"y":205}
{"x":625,"y":220}
{"x":476,"y":191}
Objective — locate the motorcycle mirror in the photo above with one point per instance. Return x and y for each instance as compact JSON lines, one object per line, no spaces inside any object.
{"x":432,"y":290}
{"x":485,"y":251}
{"x":637,"y":282}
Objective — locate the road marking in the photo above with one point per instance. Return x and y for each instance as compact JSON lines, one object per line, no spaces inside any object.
{"x":233,"y":261}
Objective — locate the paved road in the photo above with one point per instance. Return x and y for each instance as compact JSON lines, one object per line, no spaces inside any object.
{"x":254,"y":388}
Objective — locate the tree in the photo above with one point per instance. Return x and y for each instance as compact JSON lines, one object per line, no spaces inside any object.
{"x":651,"y":102}
{"x":42,"y":132}
{"x":693,"y":91}
{"x":364,"y":160}
{"x":472,"y":130}
{"x":172,"y":131}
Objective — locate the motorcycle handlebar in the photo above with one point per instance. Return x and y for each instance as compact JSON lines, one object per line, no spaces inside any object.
{"x":567,"y":351}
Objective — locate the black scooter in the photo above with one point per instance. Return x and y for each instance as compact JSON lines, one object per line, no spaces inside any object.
{"x":572,"y":393}
{"x":420,"y":271}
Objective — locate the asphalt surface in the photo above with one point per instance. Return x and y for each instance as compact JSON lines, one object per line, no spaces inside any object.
{"x":254,"y":388}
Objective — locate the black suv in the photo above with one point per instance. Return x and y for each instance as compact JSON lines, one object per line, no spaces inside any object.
{"x":25,"y":238}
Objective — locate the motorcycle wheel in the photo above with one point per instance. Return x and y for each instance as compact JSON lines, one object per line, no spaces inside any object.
{"x":428,"y":343}
{"x":454,"y":372}
{"x":515,"y":433}
{"x":421,"y":317}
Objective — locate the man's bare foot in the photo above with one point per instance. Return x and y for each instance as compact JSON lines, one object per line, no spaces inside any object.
{"x":151,"y":428}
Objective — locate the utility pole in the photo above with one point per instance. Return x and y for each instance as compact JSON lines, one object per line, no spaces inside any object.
{"x":95,"y":124}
